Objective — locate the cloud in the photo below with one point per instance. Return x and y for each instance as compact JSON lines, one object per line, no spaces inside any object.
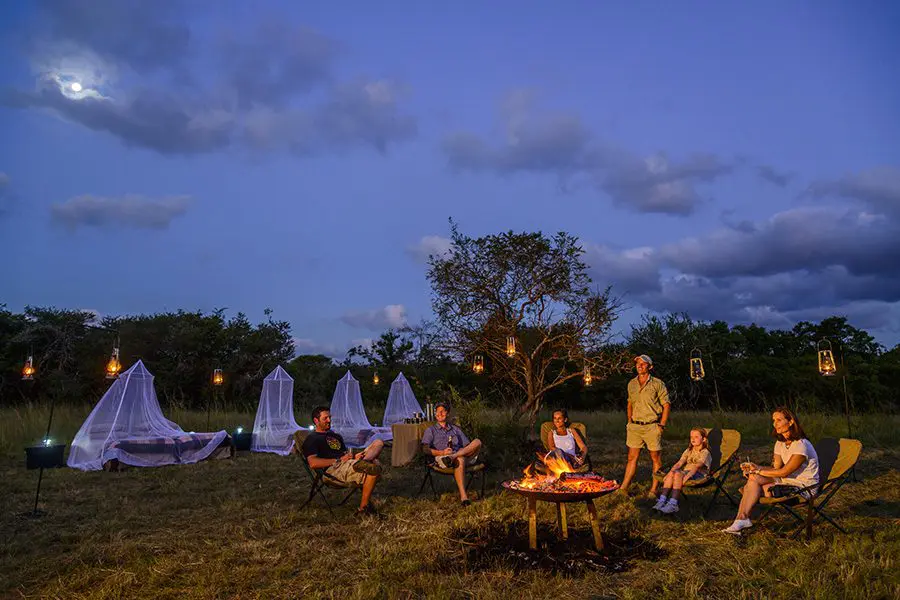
{"x":308,"y":346}
{"x":804,"y":263}
{"x":149,"y":78}
{"x":429,"y":245}
{"x":879,"y":188}
{"x":774,"y":176}
{"x":561,"y":145}
{"x":392,"y":316}
{"x":132,"y":211}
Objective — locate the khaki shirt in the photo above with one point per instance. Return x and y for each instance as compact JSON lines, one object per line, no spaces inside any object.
{"x":647,"y":403}
{"x":700,"y":457}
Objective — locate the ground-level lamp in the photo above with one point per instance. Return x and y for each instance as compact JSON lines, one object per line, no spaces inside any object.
{"x":511,"y":346}
{"x":218,"y":378}
{"x":478,"y":364}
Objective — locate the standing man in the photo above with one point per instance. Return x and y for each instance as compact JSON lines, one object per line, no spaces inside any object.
{"x":648,"y":413}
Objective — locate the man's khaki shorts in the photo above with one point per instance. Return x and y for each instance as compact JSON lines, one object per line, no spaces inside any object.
{"x":644,"y":436}
{"x":343,"y":472}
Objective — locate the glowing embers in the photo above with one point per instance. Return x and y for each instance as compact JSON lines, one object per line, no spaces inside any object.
{"x":561,"y":480}
{"x":827,"y":366}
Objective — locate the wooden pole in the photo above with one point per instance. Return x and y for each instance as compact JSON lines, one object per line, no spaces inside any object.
{"x":561,"y":521}
{"x":595,"y":525}
{"x":532,"y":523}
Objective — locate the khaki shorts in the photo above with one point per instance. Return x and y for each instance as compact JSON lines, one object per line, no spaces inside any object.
{"x":644,"y":436}
{"x":343,"y":472}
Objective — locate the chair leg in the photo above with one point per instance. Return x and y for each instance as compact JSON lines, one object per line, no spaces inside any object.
{"x":481,"y":497}
{"x":431,"y":483}
{"x":424,"y":481}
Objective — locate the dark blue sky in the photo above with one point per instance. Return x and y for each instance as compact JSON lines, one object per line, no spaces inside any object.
{"x":737,"y":161}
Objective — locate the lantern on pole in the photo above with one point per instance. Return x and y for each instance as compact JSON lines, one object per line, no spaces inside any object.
{"x":113,"y":366}
{"x":697,"y":371}
{"x":478,"y":364}
{"x":511,"y":346}
{"x":375,"y":378}
{"x":28,"y":369}
{"x":827,"y":365}
{"x":587,"y":376}
{"x":218,"y":378}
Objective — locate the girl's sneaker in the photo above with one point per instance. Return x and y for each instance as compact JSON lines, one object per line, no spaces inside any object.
{"x":670,"y":507}
{"x":660,"y":502}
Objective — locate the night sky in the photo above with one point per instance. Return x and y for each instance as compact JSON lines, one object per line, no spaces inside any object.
{"x":737,"y":161}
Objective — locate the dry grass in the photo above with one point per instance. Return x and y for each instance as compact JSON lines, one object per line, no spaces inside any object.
{"x":232,"y":528}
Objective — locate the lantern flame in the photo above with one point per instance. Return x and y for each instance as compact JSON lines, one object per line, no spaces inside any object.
{"x":113,"y":366}
{"x":28,"y":370}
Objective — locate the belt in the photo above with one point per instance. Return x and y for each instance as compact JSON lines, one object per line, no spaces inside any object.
{"x":645,"y":422}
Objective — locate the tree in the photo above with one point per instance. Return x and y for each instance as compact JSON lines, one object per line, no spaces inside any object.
{"x":389,"y":351}
{"x":532,"y":288}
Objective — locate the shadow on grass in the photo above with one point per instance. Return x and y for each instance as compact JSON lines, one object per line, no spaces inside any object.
{"x":505,"y":545}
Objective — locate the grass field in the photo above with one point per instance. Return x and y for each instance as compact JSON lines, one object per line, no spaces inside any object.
{"x":232,"y":528}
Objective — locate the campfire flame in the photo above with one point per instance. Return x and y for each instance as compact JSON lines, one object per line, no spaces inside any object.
{"x":561,"y":478}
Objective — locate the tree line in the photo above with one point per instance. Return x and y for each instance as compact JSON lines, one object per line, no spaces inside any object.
{"x":747,"y":367}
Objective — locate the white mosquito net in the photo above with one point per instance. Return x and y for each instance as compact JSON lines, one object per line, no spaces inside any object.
{"x":273,"y":430}
{"x":401,"y":402}
{"x":348,"y":417}
{"x":127,"y":425}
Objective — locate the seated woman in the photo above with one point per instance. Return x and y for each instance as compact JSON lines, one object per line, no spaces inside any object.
{"x":795,"y":465}
{"x":565,"y":444}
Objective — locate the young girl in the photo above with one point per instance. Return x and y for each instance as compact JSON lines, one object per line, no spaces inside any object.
{"x":693,"y":464}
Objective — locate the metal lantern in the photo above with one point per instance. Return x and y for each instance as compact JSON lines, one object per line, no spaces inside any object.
{"x":587,"y":376}
{"x":218,"y":378}
{"x":113,"y":366}
{"x":375,"y":379}
{"x":478,"y":364}
{"x":28,"y":369}
{"x":511,"y":346}
{"x":827,"y":365}
{"x":697,"y":370}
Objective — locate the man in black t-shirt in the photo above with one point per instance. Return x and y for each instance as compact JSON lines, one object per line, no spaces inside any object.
{"x":325,"y":449}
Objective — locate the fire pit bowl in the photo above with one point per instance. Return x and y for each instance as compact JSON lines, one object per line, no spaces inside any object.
{"x":561,"y":490}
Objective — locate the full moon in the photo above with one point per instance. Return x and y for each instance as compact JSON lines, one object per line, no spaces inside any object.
{"x":76,"y":87}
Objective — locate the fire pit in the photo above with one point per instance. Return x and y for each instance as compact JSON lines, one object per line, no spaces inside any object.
{"x":561,"y":487}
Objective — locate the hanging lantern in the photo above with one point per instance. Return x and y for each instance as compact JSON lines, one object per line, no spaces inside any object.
{"x":28,"y":369}
{"x":511,"y":346}
{"x":218,"y":378}
{"x":113,"y":366}
{"x":375,"y":379}
{"x":827,"y":366}
{"x":587,"y":376}
{"x":478,"y":364}
{"x":697,"y":371}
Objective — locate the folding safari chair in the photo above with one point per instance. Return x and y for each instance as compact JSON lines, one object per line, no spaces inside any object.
{"x":837,"y":458}
{"x":723,"y":446}
{"x":472,"y":471}
{"x":320,"y":481}
{"x":547,"y":427}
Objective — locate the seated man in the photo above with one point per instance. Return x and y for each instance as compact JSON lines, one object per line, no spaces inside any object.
{"x":450,"y":448}
{"x":325,"y":449}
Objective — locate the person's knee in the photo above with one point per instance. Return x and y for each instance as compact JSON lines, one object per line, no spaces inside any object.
{"x":476,"y":444}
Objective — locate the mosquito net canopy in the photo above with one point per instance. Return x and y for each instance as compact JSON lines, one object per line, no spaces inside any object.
{"x":348,"y":417}
{"x":127,"y":425}
{"x":273,"y":430}
{"x":401,"y":402}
